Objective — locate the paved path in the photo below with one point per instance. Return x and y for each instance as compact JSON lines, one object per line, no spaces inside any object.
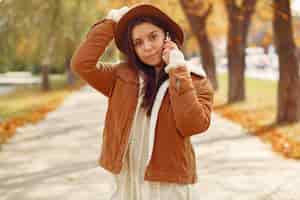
{"x":57,"y":159}
{"x":15,"y":78}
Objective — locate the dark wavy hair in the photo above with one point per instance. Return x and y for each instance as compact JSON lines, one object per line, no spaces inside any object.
{"x":148,"y":72}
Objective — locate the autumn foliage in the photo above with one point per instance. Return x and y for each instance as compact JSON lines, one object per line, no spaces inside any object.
{"x":259,"y":122}
{"x":8,"y":127}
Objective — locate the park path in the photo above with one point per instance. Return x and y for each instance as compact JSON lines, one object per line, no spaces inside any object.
{"x":57,"y":159}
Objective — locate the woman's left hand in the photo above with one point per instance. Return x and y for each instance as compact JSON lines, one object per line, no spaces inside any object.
{"x":167,"y":47}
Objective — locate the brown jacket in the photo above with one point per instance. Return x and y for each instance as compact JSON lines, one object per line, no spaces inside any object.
{"x":185,"y":110}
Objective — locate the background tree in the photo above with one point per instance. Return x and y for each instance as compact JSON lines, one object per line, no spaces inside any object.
{"x":40,"y":33}
{"x":197,"y":19}
{"x":289,"y":84}
{"x":71,"y":39}
{"x":239,"y":17}
{"x":54,"y":13}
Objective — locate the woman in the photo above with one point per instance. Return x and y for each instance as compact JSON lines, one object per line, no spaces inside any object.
{"x":156,"y":101}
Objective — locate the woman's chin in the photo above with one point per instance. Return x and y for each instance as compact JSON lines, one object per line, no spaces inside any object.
{"x":155,"y":63}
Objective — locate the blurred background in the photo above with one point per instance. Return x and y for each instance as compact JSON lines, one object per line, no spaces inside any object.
{"x":250,"y":50}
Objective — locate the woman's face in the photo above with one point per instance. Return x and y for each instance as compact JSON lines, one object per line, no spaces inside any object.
{"x":148,"y":40}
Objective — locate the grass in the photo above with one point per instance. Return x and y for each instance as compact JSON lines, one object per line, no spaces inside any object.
{"x":29,"y":104}
{"x":27,"y":98}
{"x":258,"y":113}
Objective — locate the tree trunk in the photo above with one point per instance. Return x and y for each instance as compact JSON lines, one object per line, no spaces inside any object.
{"x":198,"y":26}
{"x":70,"y":46}
{"x":239,"y":22}
{"x":45,"y":78}
{"x":46,"y":62}
{"x":71,"y":78}
{"x":52,"y":36}
{"x":288,"y":96}
{"x":208,"y":60}
{"x":71,"y":41}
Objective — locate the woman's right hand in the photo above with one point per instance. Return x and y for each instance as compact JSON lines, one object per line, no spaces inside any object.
{"x":116,"y":14}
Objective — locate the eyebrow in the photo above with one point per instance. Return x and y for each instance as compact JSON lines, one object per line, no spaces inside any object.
{"x":148,"y":34}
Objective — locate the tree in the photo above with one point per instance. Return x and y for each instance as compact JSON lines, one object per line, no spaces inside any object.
{"x":9,"y":30}
{"x":55,"y":9}
{"x":239,"y":15}
{"x":288,"y":96}
{"x":42,"y":35}
{"x":70,"y":40}
{"x":197,"y":20}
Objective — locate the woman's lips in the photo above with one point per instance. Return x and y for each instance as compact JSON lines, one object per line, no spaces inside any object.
{"x":151,"y":56}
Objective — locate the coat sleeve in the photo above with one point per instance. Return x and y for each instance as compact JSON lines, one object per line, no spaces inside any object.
{"x":191,"y":101}
{"x":84,"y":62}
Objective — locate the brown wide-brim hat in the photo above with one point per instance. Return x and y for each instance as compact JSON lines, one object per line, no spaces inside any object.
{"x":141,"y":10}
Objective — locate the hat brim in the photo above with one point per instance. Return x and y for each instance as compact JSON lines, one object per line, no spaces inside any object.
{"x":139,"y":11}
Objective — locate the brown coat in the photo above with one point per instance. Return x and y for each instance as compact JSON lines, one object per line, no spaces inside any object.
{"x":185,"y":110}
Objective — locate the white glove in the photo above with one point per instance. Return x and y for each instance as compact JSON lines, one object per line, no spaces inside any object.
{"x":116,"y":14}
{"x":176,"y":59}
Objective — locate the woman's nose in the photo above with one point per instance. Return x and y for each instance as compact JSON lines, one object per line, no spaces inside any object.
{"x":147,"y":45}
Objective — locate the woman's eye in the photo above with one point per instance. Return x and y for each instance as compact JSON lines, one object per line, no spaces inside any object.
{"x":153,"y":37}
{"x":137,"y":43}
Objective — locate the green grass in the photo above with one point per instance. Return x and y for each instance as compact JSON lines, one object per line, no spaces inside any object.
{"x":25,"y":99}
{"x":260,"y":100}
{"x":257,"y":91}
